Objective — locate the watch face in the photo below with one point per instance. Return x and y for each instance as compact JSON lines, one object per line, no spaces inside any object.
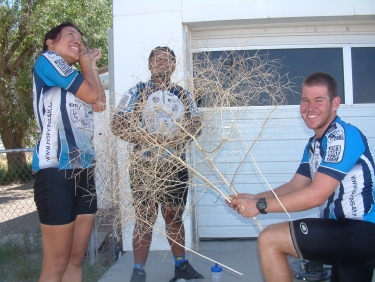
{"x":262,"y":205}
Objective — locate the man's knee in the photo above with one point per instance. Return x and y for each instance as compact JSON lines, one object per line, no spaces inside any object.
{"x":173,"y":215}
{"x":273,"y":235}
{"x":265,"y":237}
{"x":146,"y":214}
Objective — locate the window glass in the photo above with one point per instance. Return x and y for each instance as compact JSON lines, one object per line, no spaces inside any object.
{"x":290,"y":65}
{"x":363,"y":71}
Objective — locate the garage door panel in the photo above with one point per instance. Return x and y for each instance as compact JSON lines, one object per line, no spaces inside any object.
{"x":247,"y":168}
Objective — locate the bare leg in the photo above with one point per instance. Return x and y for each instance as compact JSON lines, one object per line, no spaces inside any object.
{"x":275,"y":243}
{"x":175,"y":229}
{"x":142,"y":233}
{"x":82,"y":232}
{"x":57,"y":245}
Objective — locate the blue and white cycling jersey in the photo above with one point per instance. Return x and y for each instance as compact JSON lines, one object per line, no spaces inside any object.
{"x":161,"y":112}
{"x":344,"y":154}
{"x":65,"y":121}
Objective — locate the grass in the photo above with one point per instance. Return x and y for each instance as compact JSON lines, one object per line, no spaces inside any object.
{"x":21,"y":261}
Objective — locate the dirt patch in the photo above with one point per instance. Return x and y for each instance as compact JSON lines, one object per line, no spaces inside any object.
{"x":18,"y":210}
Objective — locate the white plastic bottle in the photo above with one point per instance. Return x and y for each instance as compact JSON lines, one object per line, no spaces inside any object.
{"x":216,"y":273}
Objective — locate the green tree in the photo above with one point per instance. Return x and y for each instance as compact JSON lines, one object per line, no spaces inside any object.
{"x":23,"y":24}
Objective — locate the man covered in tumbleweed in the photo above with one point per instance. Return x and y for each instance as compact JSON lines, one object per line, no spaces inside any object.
{"x":158,"y":118}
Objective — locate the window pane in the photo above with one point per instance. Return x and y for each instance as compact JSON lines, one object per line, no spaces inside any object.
{"x":293,"y":65}
{"x":363,"y":69}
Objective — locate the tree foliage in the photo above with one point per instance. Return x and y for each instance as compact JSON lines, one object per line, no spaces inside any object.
{"x":23,"y":24}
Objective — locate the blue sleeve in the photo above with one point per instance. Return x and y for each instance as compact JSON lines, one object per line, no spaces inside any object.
{"x":304,"y":167}
{"x":343,"y":148}
{"x":127,"y":102}
{"x":54,"y":71}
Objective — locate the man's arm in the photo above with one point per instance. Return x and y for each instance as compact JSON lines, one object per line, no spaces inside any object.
{"x":307,"y":197}
{"x":294,"y":197}
{"x":192,"y":123}
{"x":123,"y":128}
{"x":297,"y":182}
{"x":124,"y":122}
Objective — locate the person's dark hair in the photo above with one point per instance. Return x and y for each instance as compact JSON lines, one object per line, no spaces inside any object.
{"x":54,"y":32}
{"x":322,"y":79}
{"x":162,"y":48}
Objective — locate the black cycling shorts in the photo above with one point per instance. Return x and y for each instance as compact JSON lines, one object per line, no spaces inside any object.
{"x":164,"y":183}
{"x":342,"y":242}
{"x":61,"y":195}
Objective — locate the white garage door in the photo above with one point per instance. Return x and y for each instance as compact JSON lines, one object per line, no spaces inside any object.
{"x":278,"y":150}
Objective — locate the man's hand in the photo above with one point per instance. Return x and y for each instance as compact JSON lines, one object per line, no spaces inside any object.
{"x":244,"y":204}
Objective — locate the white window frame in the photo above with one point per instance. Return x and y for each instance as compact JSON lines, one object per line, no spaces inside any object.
{"x":347,"y":61}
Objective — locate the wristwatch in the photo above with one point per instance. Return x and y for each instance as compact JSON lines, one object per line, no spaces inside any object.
{"x":262,"y":205}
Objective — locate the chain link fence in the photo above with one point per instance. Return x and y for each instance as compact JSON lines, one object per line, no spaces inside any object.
{"x":18,"y":212}
{"x":20,"y":237}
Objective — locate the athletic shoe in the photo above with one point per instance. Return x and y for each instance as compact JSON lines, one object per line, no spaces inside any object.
{"x":185,"y":271}
{"x":138,"y":275}
{"x":309,"y":271}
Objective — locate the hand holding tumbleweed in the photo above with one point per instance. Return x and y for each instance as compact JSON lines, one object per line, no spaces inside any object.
{"x":244,"y":204}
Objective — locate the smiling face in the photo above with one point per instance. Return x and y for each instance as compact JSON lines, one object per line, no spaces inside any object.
{"x":68,"y":44}
{"x":316,"y":108}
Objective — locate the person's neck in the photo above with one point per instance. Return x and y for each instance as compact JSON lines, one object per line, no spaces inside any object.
{"x":161,"y":81}
{"x":321,"y":131}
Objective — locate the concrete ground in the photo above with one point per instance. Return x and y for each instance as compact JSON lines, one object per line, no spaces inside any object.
{"x":241,"y":256}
